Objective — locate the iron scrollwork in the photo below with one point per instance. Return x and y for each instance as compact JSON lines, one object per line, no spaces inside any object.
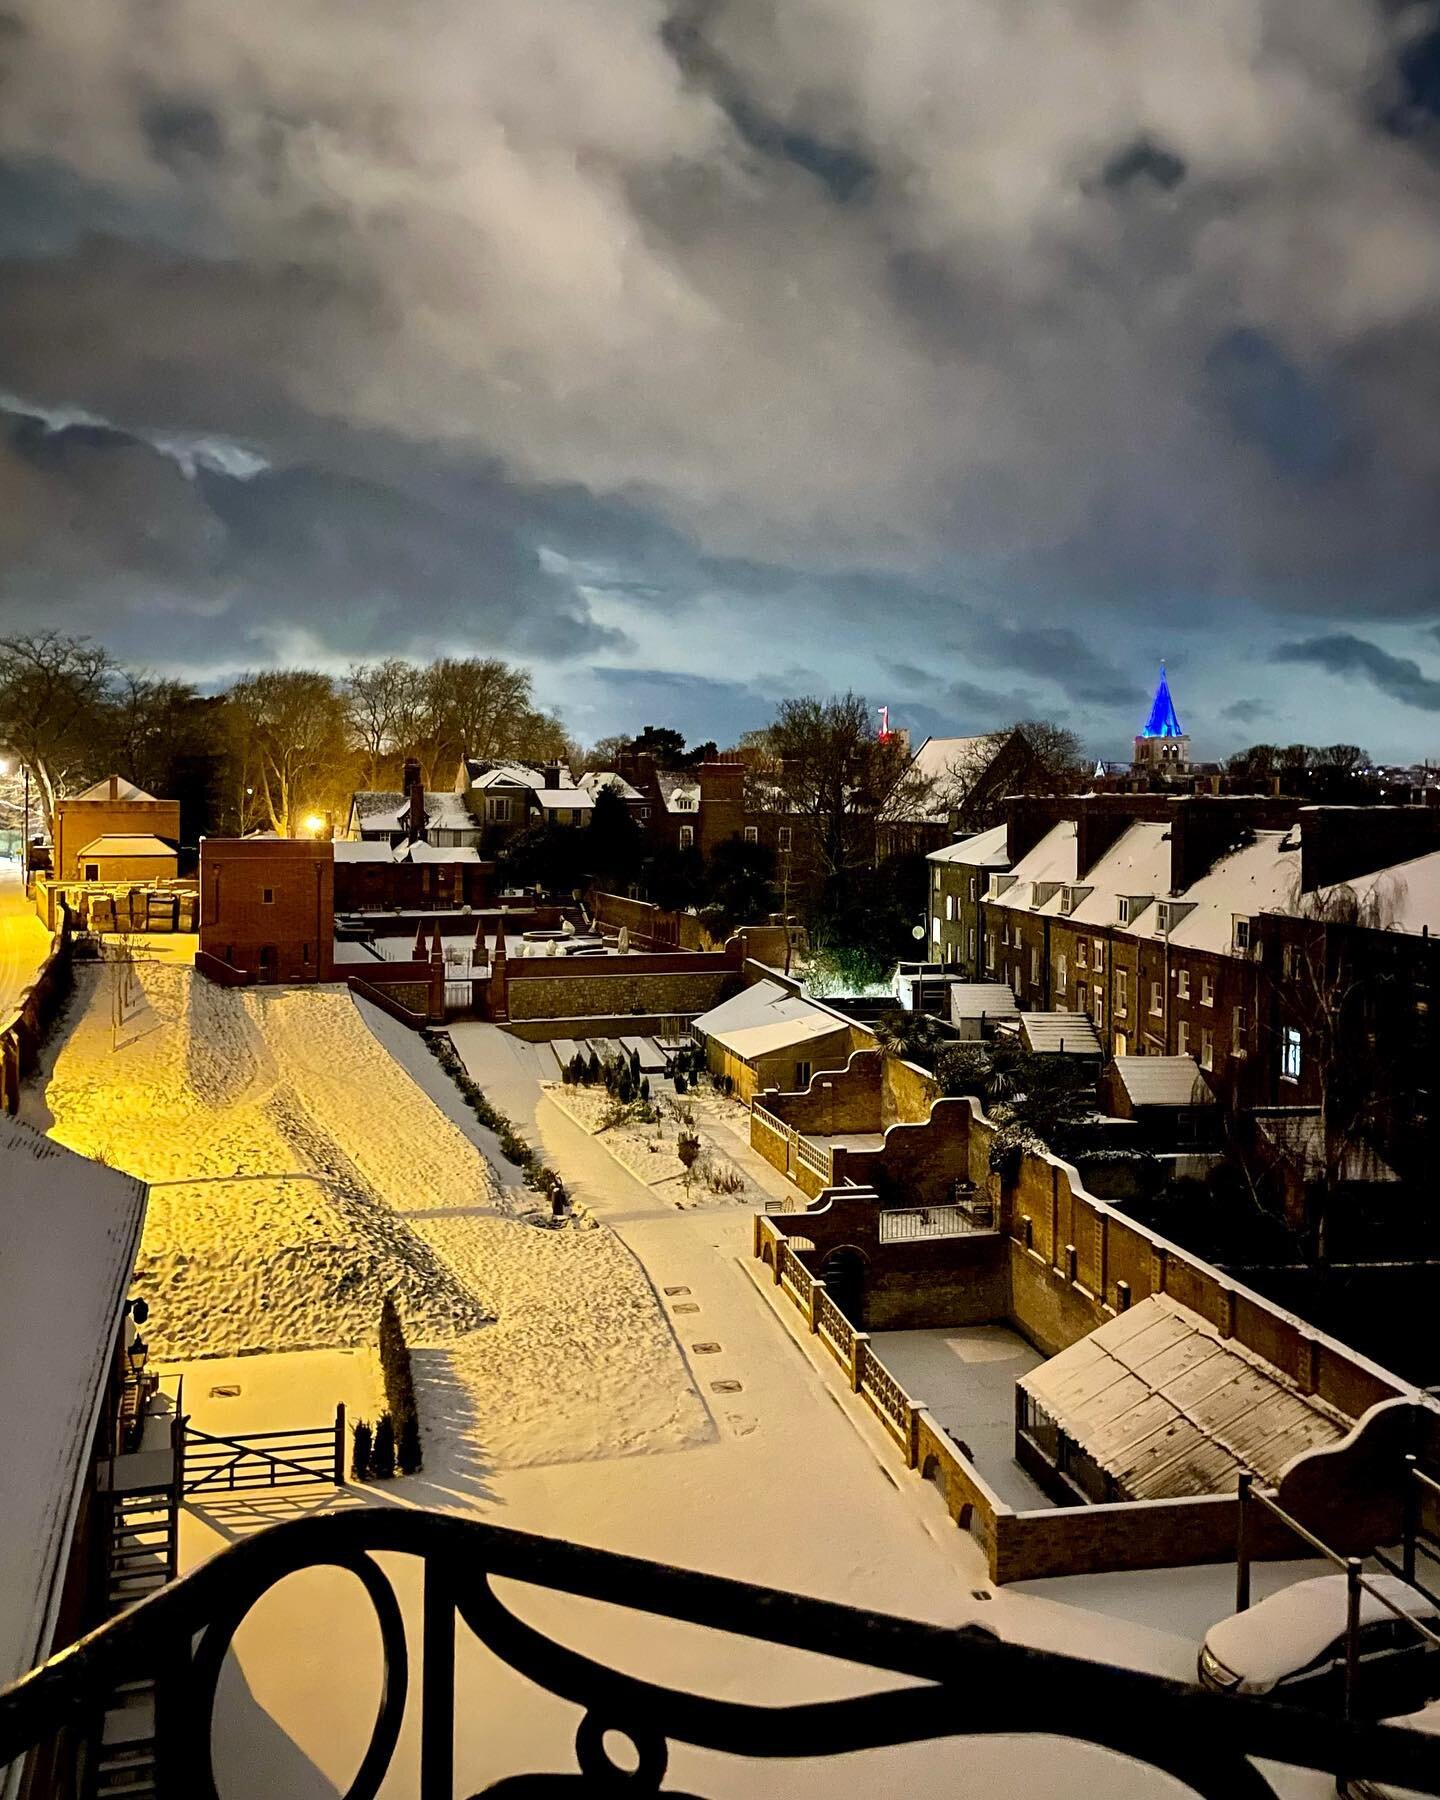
{"x":959,"y":1681}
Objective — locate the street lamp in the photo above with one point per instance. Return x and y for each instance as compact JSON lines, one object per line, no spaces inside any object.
{"x":314,"y":824}
{"x":135,"y":1355}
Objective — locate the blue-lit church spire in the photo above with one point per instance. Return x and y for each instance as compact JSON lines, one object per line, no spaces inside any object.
{"x":1163,"y":722}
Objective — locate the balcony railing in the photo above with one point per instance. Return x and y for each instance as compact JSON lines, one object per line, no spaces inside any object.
{"x":902,"y":1224}
{"x":956,"y":1681}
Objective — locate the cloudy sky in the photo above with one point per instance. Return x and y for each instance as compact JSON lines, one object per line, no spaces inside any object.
{"x":972,"y":353}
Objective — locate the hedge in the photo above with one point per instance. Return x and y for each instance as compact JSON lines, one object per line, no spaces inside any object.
{"x":403,"y":1411}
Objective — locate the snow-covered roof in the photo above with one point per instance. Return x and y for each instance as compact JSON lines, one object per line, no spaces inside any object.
{"x":1136,"y":866}
{"x":986,"y":850}
{"x":390,"y":812}
{"x":955,"y":765}
{"x":124,"y":790}
{"x":516,"y":774}
{"x":1169,"y":1408}
{"x":1057,"y":1033}
{"x":1163,"y":1081}
{"x":1408,"y":894}
{"x":437,"y":853}
{"x":1051,"y":860}
{"x":1291,"y":1627}
{"x":565,"y":799}
{"x":69,"y":1229}
{"x":362,"y":850}
{"x":607,"y":778}
{"x":981,"y":1000}
{"x":765,"y":1018}
{"x":377,"y":808}
{"x":1259,"y":877}
{"x":679,"y":790}
{"x":1296,"y":1133}
{"x":122,"y":843}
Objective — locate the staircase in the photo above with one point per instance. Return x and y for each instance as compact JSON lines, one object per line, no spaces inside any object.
{"x":142,"y":1555}
{"x":144,"y":1546}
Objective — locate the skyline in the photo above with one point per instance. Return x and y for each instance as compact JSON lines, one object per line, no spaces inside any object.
{"x":720,"y":351}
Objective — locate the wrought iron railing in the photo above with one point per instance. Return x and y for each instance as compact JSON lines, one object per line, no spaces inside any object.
{"x":957,"y":1681}
{"x":901,"y":1224}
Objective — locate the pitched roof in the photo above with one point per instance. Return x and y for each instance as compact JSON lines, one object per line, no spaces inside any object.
{"x":125,"y":790}
{"x":69,"y":1228}
{"x":955,"y":765}
{"x":1163,"y":1081}
{"x":765,"y":1018}
{"x":1059,"y":1033}
{"x":981,"y":1000}
{"x":679,"y":789}
{"x":985,"y":850}
{"x":596,"y":779}
{"x":122,"y":843}
{"x":1408,"y":892}
{"x":1168,"y":1408}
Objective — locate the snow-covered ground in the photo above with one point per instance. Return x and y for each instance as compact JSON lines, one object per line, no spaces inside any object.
{"x":300,"y":1175}
{"x":647,"y":1146}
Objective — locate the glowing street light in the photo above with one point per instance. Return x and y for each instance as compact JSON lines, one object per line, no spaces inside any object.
{"x":314,"y":824}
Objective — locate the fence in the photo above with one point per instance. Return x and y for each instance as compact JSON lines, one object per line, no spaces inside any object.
{"x":883,"y":1391}
{"x":816,"y":1156}
{"x":904,"y":1224}
{"x":265,"y":1459}
{"x":21,"y":1038}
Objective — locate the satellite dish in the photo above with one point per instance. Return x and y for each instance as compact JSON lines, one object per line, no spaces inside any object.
{"x":918,"y":933}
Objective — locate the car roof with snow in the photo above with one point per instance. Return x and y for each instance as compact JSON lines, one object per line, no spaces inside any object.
{"x":1288,"y":1629}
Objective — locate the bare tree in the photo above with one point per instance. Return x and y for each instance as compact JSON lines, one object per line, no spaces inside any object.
{"x":53,"y":690}
{"x":289,"y":737}
{"x":383,"y":703}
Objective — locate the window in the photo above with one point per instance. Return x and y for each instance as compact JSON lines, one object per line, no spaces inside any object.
{"x":1162,"y":916}
{"x":1034,"y":964}
{"x":1122,"y":1044}
{"x":782,"y":839}
{"x":92,"y":871}
{"x":937,"y":881}
{"x":1182,"y":1038}
{"x":1237,"y":1031}
{"x":1242,"y":934}
{"x":802,"y":1069}
{"x":1082,"y":997}
{"x":972,"y":943}
{"x":1082,"y":955}
{"x":1124,"y":917}
{"x":1005,"y":934}
{"x":1062,"y":969}
{"x":642,"y":812}
{"x":752,"y":834}
{"x":1099,"y":1009}
{"x":267,"y":896}
{"x":1157,"y":1000}
{"x":949,"y":906}
{"x":935,"y":929}
{"x":990,"y":951}
{"x":1207,"y":990}
{"x":1289,"y":962}
{"x":1207,"y":1049}
{"x":1290,"y":1053}
{"x":1099,"y":955}
{"x":1182,"y":983}
{"x":687,"y":839}
{"x":305,"y":953}
{"x":1122,"y":992}
{"x":972,"y":887}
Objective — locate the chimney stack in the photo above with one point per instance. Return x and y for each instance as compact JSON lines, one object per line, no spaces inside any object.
{"x":415,"y":797}
{"x":114,"y":787}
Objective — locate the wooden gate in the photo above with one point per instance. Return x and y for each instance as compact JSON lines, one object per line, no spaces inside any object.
{"x":264,"y":1459}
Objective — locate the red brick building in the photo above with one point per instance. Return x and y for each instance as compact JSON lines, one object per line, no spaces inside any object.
{"x":267,"y":907}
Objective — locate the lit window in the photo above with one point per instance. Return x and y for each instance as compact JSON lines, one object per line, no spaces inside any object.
{"x":949,"y":906}
{"x":1290,"y":1053}
{"x":935,"y":929}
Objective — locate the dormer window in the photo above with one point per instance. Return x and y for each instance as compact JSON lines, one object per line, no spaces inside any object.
{"x":1242,"y":934}
{"x":1124,"y":912}
{"x":1162,"y":916}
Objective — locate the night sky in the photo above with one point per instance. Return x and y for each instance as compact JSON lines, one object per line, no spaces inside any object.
{"x":973,"y":354}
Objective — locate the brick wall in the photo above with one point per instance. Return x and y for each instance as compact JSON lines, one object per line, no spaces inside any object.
{"x":550,"y":996}
{"x":80,"y":822}
{"x":287,"y":937}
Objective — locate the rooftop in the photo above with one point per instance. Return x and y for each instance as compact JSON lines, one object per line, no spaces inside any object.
{"x":765,"y":1018}
{"x":986,"y":850}
{"x":121,"y":843}
{"x":1059,"y":1033}
{"x":70,"y":1228}
{"x":981,"y":1000}
{"x":1163,"y":1081}
{"x":1167,"y":1407}
{"x":125,"y":790}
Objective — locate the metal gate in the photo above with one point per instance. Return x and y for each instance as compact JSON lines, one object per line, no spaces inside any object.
{"x":264,"y":1459}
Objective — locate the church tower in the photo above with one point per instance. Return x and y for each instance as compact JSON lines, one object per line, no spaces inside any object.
{"x":1162,"y":748}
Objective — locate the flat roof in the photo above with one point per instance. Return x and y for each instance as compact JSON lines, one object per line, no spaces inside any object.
{"x":1168,"y":1408}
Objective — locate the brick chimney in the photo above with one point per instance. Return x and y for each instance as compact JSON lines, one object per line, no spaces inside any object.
{"x":499,"y":1002}
{"x":114,"y":787}
{"x":415,"y":797}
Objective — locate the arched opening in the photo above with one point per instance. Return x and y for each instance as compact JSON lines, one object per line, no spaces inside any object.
{"x":844,"y":1277}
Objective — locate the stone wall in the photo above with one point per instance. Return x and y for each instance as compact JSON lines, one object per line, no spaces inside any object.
{"x":584,"y":995}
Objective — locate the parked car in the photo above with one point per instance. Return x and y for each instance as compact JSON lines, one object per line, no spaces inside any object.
{"x":1359,"y":1788}
{"x":1291,"y":1646}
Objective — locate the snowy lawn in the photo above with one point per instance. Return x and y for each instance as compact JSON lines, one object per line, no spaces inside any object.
{"x":299,"y":1175}
{"x":647,"y":1146}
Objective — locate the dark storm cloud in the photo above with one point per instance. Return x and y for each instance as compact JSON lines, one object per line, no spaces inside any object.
{"x":870,"y":329}
{"x":1247,"y":712}
{"x":1398,"y":677}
